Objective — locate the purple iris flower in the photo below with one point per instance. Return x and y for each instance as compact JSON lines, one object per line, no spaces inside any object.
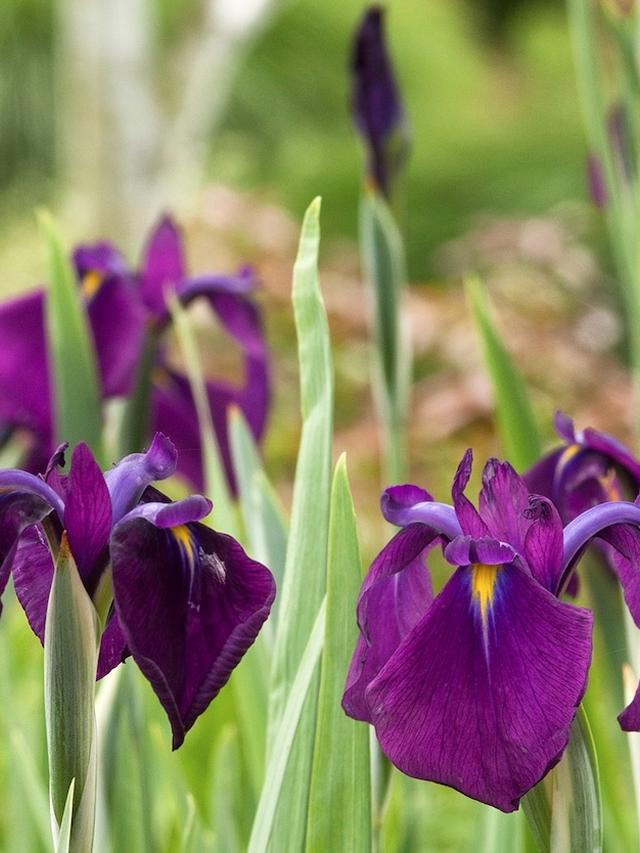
{"x":591,"y":468}
{"x":477,"y":686}
{"x":124,"y":308}
{"x":184,"y":601}
{"x":377,"y":109}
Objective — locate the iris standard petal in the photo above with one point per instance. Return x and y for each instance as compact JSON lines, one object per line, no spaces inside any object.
{"x":131,"y":476}
{"x":397,"y":509}
{"x":467,"y":514}
{"x":190,"y":602}
{"x":543,"y":542}
{"x":504,"y":500}
{"x":540,"y":477}
{"x":162,"y":265}
{"x":482,"y":693}
{"x":101,"y":258}
{"x":118,"y":323}
{"x":394,"y":596}
{"x":88,"y":516}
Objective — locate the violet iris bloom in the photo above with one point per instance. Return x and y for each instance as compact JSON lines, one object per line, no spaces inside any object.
{"x":477,"y":687}
{"x":377,"y":110}
{"x":124,"y":309}
{"x":184,"y":601}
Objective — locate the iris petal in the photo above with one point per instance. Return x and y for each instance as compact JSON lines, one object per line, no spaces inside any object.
{"x":162,"y":265}
{"x":130,"y":477}
{"x":190,"y":603}
{"x":484,"y":705}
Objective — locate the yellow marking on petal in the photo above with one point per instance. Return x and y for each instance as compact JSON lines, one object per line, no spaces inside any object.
{"x":183,"y":537}
{"x":483,"y":579}
{"x":568,"y":455}
{"x":91,"y":282}
{"x":609,"y":483}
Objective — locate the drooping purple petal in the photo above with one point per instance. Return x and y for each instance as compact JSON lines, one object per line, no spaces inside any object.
{"x":394,"y":596}
{"x":190,"y":603}
{"x":118,"y":324}
{"x":131,"y":476}
{"x":162,"y":265}
{"x":24,"y":379}
{"x":88,"y":516}
{"x":614,"y":450}
{"x":467,"y":514}
{"x":113,"y":647}
{"x":377,"y":109}
{"x":481,"y":696}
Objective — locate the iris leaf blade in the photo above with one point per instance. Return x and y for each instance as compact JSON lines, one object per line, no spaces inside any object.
{"x":63,"y":844}
{"x":518,"y":431}
{"x":340,"y":799}
{"x":77,"y":396}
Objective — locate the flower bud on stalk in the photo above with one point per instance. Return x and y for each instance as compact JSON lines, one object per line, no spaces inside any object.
{"x":71,"y":657}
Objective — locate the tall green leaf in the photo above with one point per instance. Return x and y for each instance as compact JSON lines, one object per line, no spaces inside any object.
{"x":564,"y":810}
{"x":340,"y":801}
{"x":63,"y":843}
{"x":383,"y":260}
{"x":263,"y":517}
{"x":284,"y":740}
{"x":77,"y":408}
{"x":518,"y":431}
{"x":303,"y":587}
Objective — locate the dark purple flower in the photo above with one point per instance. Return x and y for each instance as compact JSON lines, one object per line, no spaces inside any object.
{"x":124,"y":308}
{"x":377,"y":110}
{"x":477,"y":687}
{"x":185,"y":601}
{"x":591,"y":468}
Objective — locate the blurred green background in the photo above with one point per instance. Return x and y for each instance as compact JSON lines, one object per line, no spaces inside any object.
{"x":489,"y":91}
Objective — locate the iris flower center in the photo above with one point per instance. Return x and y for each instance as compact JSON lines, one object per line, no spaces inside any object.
{"x":91,"y":282}
{"x":483,"y":579}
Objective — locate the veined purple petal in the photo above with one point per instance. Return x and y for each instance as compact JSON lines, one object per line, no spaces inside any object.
{"x":468,"y":516}
{"x":118,"y":322}
{"x":540,"y":477}
{"x":482,"y":693}
{"x":504,"y":501}
{"x":88,"y":516}
{"x":543,"y":542}
{"x":130,"y":477}
{"x":162,"y":265}
{"x":377,"y":110}
{"x":394,"y":596}
{"x":190,"y":603}
{"x":113,"y":647}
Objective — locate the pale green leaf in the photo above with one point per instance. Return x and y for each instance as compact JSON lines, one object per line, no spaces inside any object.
{"x":303,"y":587}
{"x":283,"y":741}
{"x":518,"y":431}
{"x":339,"y":815}
{"x":77,"y":406}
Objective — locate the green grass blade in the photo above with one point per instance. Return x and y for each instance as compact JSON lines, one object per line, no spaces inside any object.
{"x":226,"y":793}
{"x":339,"y":815}
{"x":383,"y":261}
{"x":303,"y":587}
{"x":284,"y":739}
{"x":224,"y":512}
{"x":518,"y":431}
{"x":77,"y":407}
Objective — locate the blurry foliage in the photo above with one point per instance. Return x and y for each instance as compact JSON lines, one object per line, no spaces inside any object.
{"x":495,"y":125}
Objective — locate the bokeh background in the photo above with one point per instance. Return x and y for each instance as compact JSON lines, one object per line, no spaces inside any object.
{"x":233,"y":115}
